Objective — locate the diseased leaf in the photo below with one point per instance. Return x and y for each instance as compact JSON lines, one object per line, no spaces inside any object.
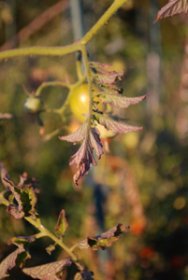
{"x":62,"y":223}
{"x":122,"y":101}
{"x":23,"y":196}
{"x":9,"y":262}
{"x":47,"y":271}
{"x":76,"y":136}
{"x":90,"y":150}
{"x":105,"y":239}
{"x":29,"y":200}
{"x":173,"y":7}
{"x":116,"y":126}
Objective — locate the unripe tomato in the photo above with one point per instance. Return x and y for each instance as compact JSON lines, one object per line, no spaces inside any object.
{"x":33,"y":104}
{"x":79,"y":102}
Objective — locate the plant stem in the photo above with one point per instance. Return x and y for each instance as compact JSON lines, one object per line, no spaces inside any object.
{"x":49,"y":84}
{"x":61,"y":51}
{"x":43,"y":232}
{"x":49,"y":234}
{"x":41,"y":51}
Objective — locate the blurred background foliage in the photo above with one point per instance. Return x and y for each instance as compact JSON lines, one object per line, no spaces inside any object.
{"x":143,"y":180}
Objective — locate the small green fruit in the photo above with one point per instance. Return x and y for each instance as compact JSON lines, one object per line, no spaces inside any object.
{"x":33,"y":104}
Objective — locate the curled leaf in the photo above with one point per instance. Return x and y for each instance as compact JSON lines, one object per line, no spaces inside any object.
{"x":105,"y":239}
{"x":47,"y":271}
{"x":90,"y":150}
{"x":9,"y":262}
{"x":173,"y":7}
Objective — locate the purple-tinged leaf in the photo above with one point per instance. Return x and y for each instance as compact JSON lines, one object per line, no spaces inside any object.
{"x":9,"y":262}
{"x":105,"y":239}
{"x":122,"y":101}
{"x":104,"y":68}
{"x":96,"y":142}
{"x":82,"y":159}
{"x":62,"y":223}
{"x":173,"y":7}
{"x":104,"y":74}
{"x":47,"y":271}
{"x":76,"y":136}
{"x":85,"y":156}
{"x":116,"y":126}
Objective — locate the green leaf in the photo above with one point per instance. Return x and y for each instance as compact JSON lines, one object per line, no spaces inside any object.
{"x":62,"y":223}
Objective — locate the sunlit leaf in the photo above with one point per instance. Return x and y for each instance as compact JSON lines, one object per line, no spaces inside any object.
{"x":9,"y":262}
{"x":76,"y":136}
{"x":105,"y":239}
{"x":117,"y":126}
{"x":47,"y":271}
{"x":85,"y":156}
{"x":122,"y":101}
{"x":173,"y":7}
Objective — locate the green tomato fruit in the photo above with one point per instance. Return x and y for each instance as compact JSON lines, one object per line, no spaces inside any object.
{"x":33,"y":104}
{"x":79,"y":102}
